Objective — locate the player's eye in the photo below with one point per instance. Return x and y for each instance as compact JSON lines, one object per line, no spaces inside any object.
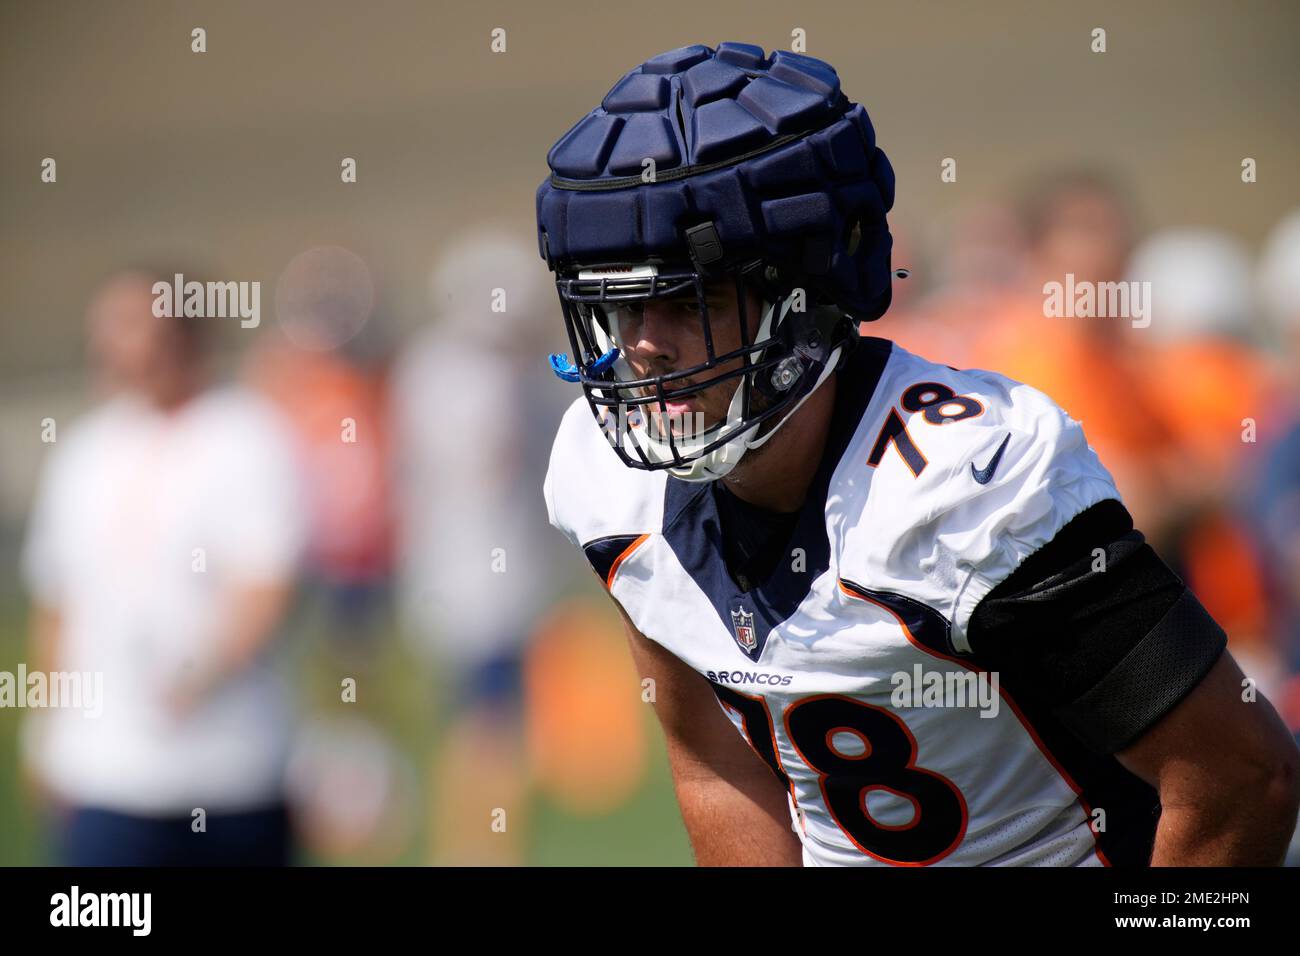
{"x":631,"y":311}
{"x":692,"y":305}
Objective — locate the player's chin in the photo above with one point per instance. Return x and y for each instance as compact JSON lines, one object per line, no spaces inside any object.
{"x":693,"y":415}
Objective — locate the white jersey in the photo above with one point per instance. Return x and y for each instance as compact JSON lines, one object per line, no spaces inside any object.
{"x":848,"y":669}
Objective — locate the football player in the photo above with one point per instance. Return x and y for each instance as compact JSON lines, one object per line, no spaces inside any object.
{"x":893,"y":613}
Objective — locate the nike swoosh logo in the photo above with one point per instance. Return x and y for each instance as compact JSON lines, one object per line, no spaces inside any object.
{"x":982,"y":475}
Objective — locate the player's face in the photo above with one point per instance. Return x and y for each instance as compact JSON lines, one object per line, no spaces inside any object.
{"x":1088,"y":235}
{"x":131,"y":347}
{"x":661,"y":336}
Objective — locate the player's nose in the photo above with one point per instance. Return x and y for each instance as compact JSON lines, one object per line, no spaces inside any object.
{"x":654,"y":336}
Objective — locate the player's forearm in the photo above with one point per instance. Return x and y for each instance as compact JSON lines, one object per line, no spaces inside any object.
{"x":742,"y":824}
{"x":256,"y":613}
{"x":46,"y":631}
{"x":1252,"y":828}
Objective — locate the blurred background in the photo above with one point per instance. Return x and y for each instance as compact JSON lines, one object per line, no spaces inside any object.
{"x":396,"y":623}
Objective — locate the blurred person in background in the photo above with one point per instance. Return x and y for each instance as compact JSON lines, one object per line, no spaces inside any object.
{"x":476,"y":561}
{"x":1081,"y":223}
{"x":1208,"y":382}
{"x":161,"y":553}
{"x":322,"y":367}
{"x":1275,"y":493}
{"x":980,"y":271}
{"x":1207,"y":372}
{"x":325,"y":366}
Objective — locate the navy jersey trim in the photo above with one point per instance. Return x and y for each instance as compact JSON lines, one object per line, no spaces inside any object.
{"x":924,"y":624}
{"x":604,"y":553}
{"x":693,"y":530}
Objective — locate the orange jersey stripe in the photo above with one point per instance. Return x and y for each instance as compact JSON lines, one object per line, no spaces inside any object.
{"x":613,"y":570}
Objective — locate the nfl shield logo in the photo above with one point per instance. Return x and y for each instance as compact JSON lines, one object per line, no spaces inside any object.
{"x":743,"y":623}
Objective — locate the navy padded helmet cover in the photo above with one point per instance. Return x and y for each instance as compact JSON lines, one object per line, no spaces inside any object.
{"x":767,"y":148}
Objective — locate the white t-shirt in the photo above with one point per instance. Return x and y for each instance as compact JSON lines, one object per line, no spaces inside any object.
{"x":476,"y":556}
{"x":143,"y":523}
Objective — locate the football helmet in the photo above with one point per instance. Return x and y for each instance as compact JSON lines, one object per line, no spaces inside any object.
{"x":705,"y":168}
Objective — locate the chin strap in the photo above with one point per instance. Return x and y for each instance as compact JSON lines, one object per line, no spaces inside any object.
{"x":832,"y":361}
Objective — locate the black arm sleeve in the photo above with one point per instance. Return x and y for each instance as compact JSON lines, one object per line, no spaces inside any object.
{"x":1098,"y":628}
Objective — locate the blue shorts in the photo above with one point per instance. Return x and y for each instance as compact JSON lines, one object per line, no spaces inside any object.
{"x":92,"y":836}
{"x":494,"y":684}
